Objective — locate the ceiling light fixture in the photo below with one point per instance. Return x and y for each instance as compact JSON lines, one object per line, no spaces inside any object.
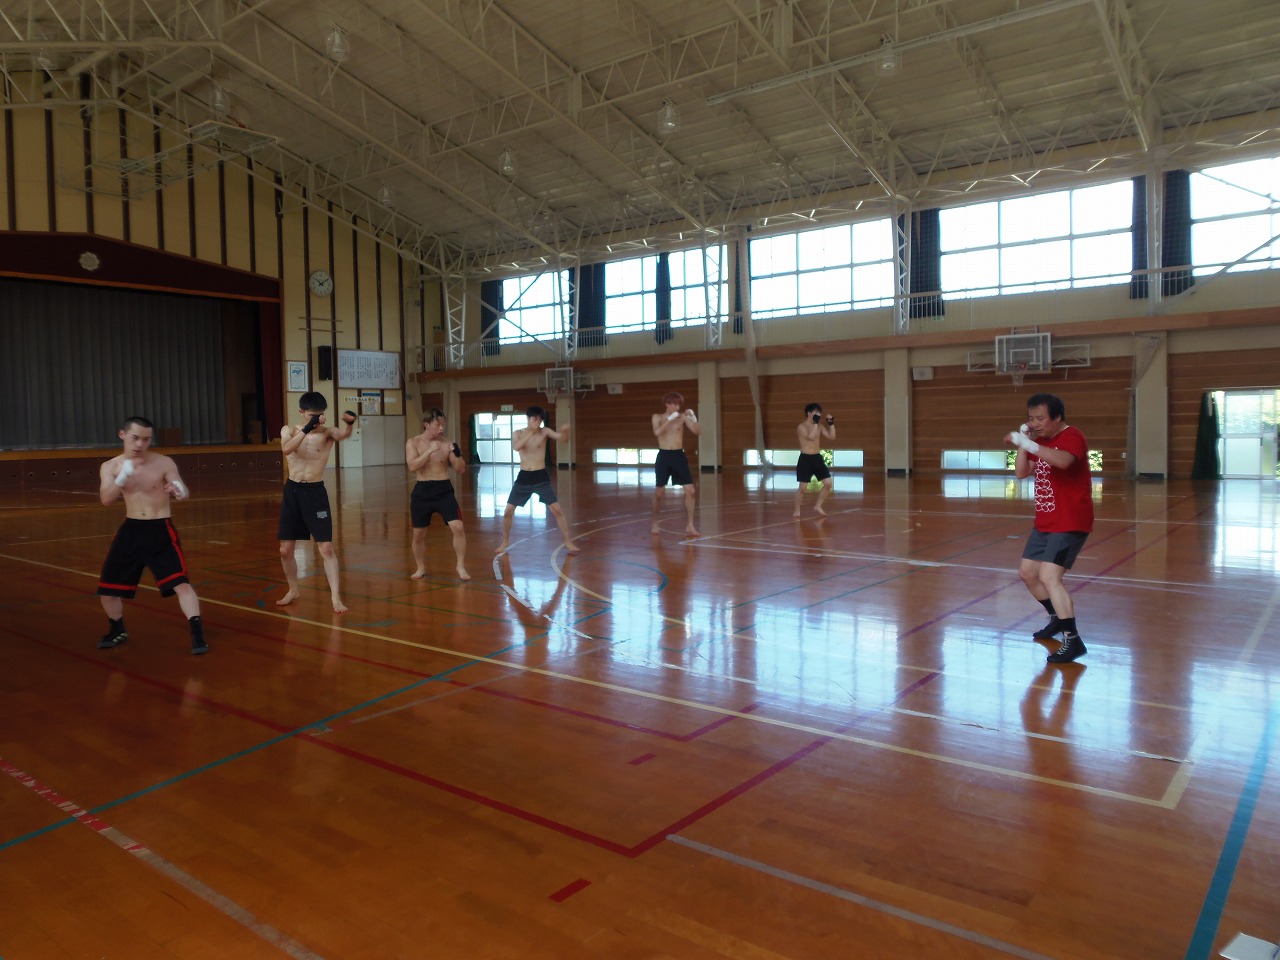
{"x":336,"y":47}
{"x":386,"y":196}
{"x":45,"y":62}
{"x":220,"y":102}
{"x":507,"y":163}
{"x":668,"y":120}
{"x":889,"y":61}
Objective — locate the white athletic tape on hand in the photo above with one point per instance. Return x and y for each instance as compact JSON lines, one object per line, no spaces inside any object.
{"x":1025,"y":429}
{"x":673,"y":414}
{"x":1025,"y":442}
{"x":693,"y":417}
{"x":126,"y":471}
{"x":180,"y":490}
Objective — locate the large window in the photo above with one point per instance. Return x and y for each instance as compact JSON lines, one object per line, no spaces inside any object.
{"x":694,"y":278}
{"x":1235,"y":216}
{"x":823,"y":271}
{"x":533,"y":308}
{"x":631,"y":299}
{"x":1050,"y":241}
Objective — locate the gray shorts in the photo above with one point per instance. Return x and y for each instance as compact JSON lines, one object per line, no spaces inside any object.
{"x":1056,"y":548}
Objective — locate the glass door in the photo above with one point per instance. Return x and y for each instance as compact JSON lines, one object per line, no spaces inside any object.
{"x":1247,"y":447}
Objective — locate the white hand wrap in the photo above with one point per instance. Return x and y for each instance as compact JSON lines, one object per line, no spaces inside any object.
{"x":126,"y":471}
{"x":180,"y":490}
{"x":1025,"y":442}
{"x":1025,"y":429}
{"x":693,"y":417}
{"x":673,"y":414}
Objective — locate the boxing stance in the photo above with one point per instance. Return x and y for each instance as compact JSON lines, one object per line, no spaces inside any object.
{"x":531,"y":443}
{"x":810,"y":432}
{"x":304,"y":508}
{"x":429,"y":457}
{"x":672,"y":465}
{"x":147,"y":537}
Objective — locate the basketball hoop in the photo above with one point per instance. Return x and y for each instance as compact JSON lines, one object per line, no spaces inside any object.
{"x":1019,"y":372}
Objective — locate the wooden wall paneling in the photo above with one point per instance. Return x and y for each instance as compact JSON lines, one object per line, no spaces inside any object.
{"x":68,"y":164}
{"x":177,"y":206}
{"x":957,"y":410}
{"x":855,"y":398}
{"x":236,"y":214}
{"x":623,"y":420}
{"x":265,"y":226}
{"x":1191,"y":374}
{"x":108,"y":206}
{"x":208,"y":212}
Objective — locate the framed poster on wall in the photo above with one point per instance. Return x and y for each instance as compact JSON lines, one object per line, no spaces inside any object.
{"x":369,"y":369}
{"x":296,"y":375}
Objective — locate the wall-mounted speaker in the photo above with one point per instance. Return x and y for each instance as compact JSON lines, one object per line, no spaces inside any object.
{"x":324,"y":363}
{"x":614,"y":389}
{"x":922,"y":373}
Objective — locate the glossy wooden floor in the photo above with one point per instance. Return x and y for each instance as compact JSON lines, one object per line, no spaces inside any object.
{"x":801,"y":740}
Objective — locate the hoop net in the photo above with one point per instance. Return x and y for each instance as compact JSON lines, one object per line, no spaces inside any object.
{"x":1018,"y":372}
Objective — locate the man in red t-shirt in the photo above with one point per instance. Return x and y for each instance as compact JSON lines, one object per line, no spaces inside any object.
{"x":1059,"y":457}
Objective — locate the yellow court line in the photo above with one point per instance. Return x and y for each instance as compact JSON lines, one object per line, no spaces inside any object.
{"x":508,"y":666}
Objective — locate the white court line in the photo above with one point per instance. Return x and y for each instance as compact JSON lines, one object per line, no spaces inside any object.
{"x":201,"y":890}
{"x":879,"y":905}
{"x":507,"y":666}
{"x":1182,"y":779}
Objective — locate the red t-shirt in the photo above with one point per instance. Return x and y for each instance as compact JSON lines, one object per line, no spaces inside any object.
{"x":1064,"y":498}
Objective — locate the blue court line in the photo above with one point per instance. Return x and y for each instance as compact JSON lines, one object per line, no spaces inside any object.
{"x":1215,"y":900}
{"x":315,"y":725}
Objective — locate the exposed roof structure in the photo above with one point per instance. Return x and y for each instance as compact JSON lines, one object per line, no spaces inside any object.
{"x":503,"y":136}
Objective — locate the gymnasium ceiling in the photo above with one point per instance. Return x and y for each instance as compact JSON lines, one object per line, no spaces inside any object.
{"x":781,"y":112}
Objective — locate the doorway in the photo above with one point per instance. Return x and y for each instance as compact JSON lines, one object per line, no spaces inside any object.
{"x":1247,"y":432}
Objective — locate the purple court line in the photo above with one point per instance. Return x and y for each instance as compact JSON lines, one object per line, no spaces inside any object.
{"x":492,"y":803}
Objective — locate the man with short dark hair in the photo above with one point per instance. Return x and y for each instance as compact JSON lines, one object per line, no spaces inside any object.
{"x":1058,"y":455}
{"x":810,"y":433}
{"x":147,"y":537}
{"x":672,"y":464}
{"x":304,"y":508}
{"x":531,"y":443}
{"x":429,"y":457}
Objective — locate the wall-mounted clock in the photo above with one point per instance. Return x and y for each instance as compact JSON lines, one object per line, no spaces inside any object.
{"x":321,"y":283}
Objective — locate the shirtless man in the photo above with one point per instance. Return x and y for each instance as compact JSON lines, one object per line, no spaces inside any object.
{"x":810,"y":433}
{"x":147,"y":538}
{"x":531,"y":442}
{"x":672,"y":463}
{"x":304,"y":511}
{"x":429,"y":456}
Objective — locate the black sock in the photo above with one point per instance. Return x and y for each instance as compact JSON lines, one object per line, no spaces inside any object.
{"x":1069,"y":627}
{"x":197,"y":628}
{"x":1048,"y":606}
{"x":116,"y":626}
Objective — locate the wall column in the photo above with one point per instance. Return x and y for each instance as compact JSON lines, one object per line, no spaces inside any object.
{"x":897,"y":411}
{"x":708,"y":411}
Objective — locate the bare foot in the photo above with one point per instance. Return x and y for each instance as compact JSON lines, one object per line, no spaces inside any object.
{"x":338,"y":605}
{"x":417,"y":575}
{"x":570,"y":548}
{"x":654,"y":530}
{"x":463,"y":575}
{"x":287,"y":599}
{"x":797,"y":513}
{"x":690,"y":531}
{"x":819,"y":510}
{"x":502,"y":549}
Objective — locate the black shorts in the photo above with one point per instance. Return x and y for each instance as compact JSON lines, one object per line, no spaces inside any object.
{"x":811,"y":466}
{"x":1058,"y":548}
{"x":433,"y":496}
{"x":529,"y":482}
{"x":304,"y":512}
{"x":673,"y":466}
{"x":153,"y":544}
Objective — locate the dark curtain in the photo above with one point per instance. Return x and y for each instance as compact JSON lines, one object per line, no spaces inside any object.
{"x":731,"y":250}
{"x":662,"y":332}
{"x":75,"y":361}
{"x":924,"y":285}
{"x":270,"y":369}
{"x":491,"y":309}
{"x":1175,"y":250}
{"x":586,"y":284}
{"x":1206,"y":466}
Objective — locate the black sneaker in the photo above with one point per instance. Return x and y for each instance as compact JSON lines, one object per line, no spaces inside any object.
{"x":1049,"y":630}
{"x":112,"y":640}
{"x":1072,"y":648}
{"x":198,"y":646}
